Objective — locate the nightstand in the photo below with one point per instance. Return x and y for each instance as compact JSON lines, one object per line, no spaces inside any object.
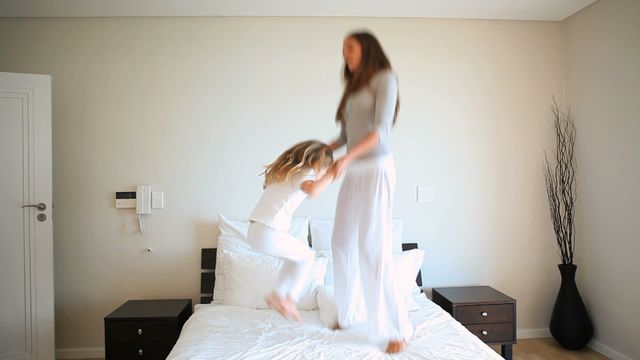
{"x":483,"y":310}
{"x":144,"y":329}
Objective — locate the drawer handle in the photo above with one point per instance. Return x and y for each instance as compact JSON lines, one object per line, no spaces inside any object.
{"x":140,"y":352}
{"x":485,"y":314}
{"x":484,"y":332}
{"x":139,"y":331}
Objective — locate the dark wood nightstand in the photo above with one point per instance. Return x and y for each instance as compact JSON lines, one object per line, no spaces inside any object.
{"x":483,"y":310}
{"x":144,"y":329}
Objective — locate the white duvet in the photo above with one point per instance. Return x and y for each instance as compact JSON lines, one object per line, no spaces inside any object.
{"x":232,"y":332}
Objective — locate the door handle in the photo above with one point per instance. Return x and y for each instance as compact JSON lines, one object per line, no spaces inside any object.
{"x":40,"y":206}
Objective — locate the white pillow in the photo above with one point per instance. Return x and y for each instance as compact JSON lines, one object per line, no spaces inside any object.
{"x":238,"y":229}
{"x":328,"y":311}
{"x":406,"y":264}
{"x":322,"y":231}
{"x":328,"y":278}
{"x":233,"y":237}
{"x":251,"y":276}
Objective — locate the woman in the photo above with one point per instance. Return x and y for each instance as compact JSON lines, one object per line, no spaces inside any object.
{"x":361,"y":242}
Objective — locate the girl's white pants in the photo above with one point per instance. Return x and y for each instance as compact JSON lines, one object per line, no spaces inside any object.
{"x":362,"y":251}
{"x":297,"y":256}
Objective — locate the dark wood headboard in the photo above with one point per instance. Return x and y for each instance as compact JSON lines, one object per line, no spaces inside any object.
{"x":208,"y":276}
{"x":411,"y":246}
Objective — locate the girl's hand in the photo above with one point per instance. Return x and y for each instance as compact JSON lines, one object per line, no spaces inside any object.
{"x":315,"y":187}
{"x":364,"y":146}
{"x":331,"y":172}
{"x":339,"y":166}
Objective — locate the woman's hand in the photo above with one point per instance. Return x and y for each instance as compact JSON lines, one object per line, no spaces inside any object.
{"x":340,"y":165}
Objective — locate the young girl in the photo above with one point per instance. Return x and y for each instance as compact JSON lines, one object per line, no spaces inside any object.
{"x":300,"y":171}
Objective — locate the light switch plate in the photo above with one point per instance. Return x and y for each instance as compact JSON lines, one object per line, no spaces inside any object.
{"x":425,"y":194}
{"x":157,"y":200}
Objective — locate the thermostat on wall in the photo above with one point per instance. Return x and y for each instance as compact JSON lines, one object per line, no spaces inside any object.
{"x":125,"y":199}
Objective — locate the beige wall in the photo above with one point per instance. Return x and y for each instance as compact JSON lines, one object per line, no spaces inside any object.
{"x":194,"y":106}
{"x":603,"y":88}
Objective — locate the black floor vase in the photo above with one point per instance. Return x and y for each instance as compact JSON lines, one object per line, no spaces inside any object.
{"x":570,"y":324}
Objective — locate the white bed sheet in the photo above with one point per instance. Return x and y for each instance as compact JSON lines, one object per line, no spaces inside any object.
{"x":231,"y":332}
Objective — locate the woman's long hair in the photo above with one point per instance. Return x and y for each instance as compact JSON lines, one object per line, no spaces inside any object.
{"x":373,"y":60}
{"x":311,"y":154}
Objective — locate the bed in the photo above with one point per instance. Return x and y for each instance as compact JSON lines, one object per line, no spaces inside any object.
{"x":230,"y":332}
{"x":221,"y":331}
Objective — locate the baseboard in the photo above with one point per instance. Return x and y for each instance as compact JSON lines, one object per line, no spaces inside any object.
{"x":607,"y":351}
{"x":80,"y":353}
{"x":533,"y":333}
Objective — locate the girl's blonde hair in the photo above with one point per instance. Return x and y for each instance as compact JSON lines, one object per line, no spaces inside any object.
{"x":310,"y":154}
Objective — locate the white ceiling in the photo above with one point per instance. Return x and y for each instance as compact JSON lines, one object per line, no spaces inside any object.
{"x":553,"y":10}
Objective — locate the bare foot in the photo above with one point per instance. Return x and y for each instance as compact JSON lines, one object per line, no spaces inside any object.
{"x":286,"y":307}
{"x":336,"y":326}
{"x":396,"y":346}
{"x":276,"y":302}
{"x":292,"y":310}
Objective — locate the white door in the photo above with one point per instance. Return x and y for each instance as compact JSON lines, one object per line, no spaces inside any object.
{"x":26,"y":233}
